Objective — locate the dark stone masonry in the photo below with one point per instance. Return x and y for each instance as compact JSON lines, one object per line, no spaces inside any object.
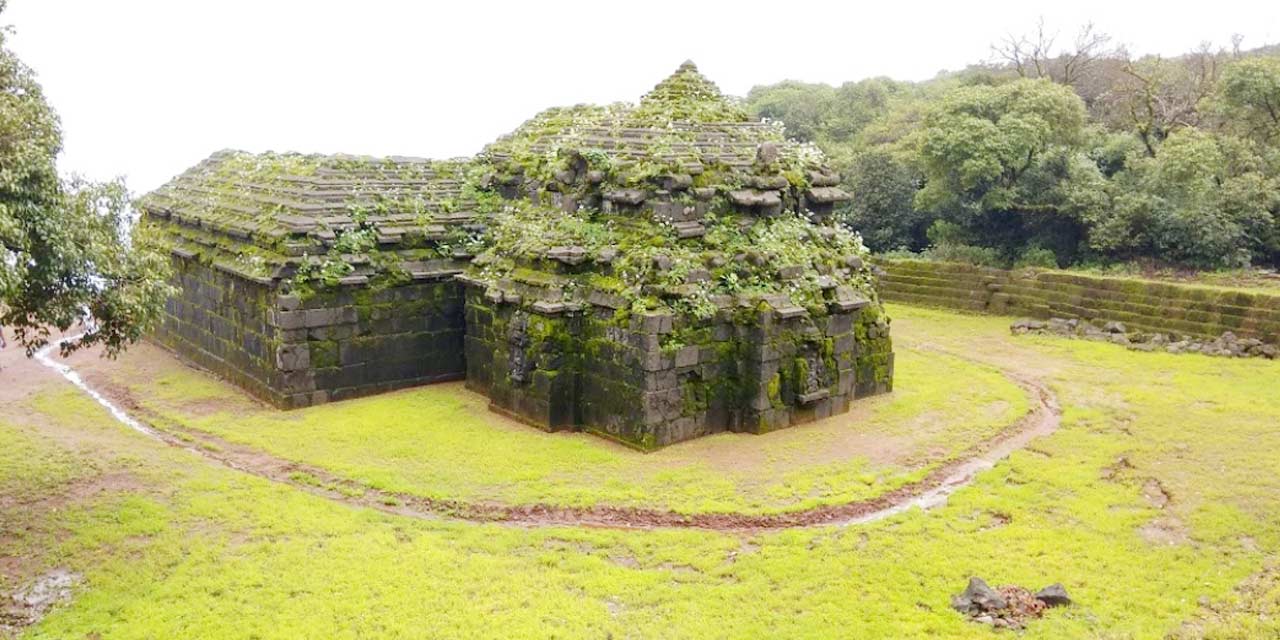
{"x":649,"y":273}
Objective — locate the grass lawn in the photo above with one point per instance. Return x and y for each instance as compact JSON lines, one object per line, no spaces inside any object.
{"x":441,"y":441}
{"x":1154,"y":504}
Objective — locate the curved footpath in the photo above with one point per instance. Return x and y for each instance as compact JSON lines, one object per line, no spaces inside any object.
{"x":930,"y":491}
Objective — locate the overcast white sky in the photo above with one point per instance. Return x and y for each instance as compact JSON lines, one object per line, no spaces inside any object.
{"x":146,"y":88}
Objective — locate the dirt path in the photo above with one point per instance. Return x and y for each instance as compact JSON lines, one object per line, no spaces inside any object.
{"x":930,"y":491}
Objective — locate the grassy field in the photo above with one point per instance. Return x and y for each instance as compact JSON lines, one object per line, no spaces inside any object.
{"x":1154,"y":504}
{"x":441,"y":441}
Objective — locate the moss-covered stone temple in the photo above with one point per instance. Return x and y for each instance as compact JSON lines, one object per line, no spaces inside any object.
{"x":650,"y":273}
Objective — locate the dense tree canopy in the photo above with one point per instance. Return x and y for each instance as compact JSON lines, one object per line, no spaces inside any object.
{"x":1251,"y":97}
{"x":65,"y":254}
{"x":1059,"y":156}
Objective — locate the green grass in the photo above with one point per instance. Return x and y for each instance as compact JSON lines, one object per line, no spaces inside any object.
{"x":203,"y":551}
{"x":30,"y":467}
{"x":442,"y":442}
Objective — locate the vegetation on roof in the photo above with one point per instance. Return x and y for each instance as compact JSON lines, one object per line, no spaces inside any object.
{"x":317,"y":219}
{"x":684,"y":126}
{"x":647,"y":264}
{"x":687,"y":96}
{"x":321,"y":221}
{"x":684,"y":146}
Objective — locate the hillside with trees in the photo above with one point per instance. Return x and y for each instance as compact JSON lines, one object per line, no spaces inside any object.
{"x":1053,"y":154}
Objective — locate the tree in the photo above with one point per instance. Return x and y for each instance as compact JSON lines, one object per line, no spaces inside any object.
{"x":65,"y":251}
{"x":1250,"y":97}
{"x":1154,"y":96}
{"x":979,"y":142}
{"x":1006,"y":162}
{"x":881,"y":209}
{"x":1202,"y":202}
{"x":804,"y":108}
{"x":1036,"y":57}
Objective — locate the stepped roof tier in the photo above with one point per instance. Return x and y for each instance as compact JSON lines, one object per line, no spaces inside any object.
{"x":679,"y":202}
{"x":683,"y":136}
{"x":269,"y":216}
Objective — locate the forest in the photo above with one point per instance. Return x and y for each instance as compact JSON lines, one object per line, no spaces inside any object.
{"x":1059,"y":152}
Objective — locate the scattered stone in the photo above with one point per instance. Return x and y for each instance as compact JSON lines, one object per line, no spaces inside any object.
{"x":1027,"y":326}
{"x":1115,"y":327}
{"x":823,"y":178}
{"x":1010,"y":606}
{"x":697,"y":275}
{"x":686,"y":230}
{"x":568,"y":255}
{"x":827,"y":194}
{"x":677,"y":182}
{"x":1229,"y":345}
{"x":704,"y":193}
{"x":771,"y":182}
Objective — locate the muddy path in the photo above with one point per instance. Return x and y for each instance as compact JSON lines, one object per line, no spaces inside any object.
{"x":931,"y":490}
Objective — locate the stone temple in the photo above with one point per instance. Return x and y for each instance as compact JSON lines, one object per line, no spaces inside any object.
{"x":649,"y":273}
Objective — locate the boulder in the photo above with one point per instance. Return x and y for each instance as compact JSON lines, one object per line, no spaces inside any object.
{"x":1026,"y":326}
{"x":1054,"y":595}
{"x":978,"y":597}
{"x":1115,"y":327}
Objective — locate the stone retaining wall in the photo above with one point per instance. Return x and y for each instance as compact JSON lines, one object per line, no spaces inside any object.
{"x":1142,"y":305}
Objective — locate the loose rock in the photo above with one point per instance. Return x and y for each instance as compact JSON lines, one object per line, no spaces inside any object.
{"x":1229,"y":345}
{"x":1009,"y":606}
{"x":1054,"y":595}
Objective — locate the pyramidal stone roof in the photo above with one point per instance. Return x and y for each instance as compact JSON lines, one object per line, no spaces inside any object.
{"x":261,"y":214}
{"x":686,"y":95}
{"x":679,"y":203}
{"x":684,"y":125}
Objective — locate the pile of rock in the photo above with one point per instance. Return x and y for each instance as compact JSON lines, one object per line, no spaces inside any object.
{"x":1010,"y":606}
{"x":1227,"y":345}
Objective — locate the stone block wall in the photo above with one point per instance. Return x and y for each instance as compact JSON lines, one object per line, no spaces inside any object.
{"x":522,"y":360}
{"x":341,"y":343}
{"x":352,"y":341}
{"x":1142,"y":305}
{"x":221,"y":323}
{"x":647,"y":381}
